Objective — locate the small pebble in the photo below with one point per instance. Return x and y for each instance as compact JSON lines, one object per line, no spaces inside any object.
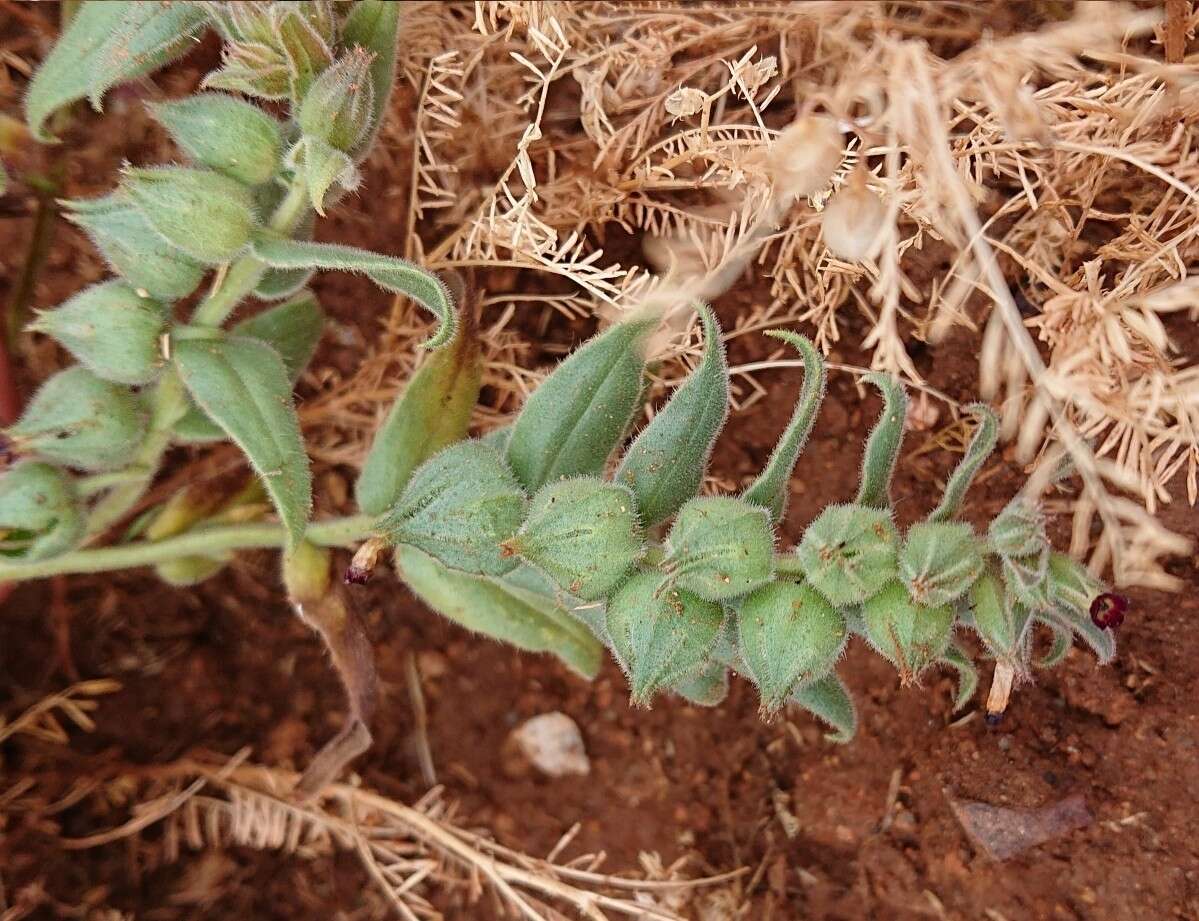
{"x":553,"y":744}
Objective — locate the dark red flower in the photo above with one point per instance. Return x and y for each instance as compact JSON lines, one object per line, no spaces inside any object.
{"x":1107,"y":611}
{"x":356,"y":575}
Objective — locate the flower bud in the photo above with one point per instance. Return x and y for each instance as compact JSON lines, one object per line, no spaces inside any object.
{"x":253,"y":69}
{"x":660,"y":639}
{"x":720,"y":548}
{"x":805,"y":155}
{"x":40,"y":513}
{"x":584,"y":533}
{"x":1071,"y":586}
{"x":912,"y":636}
{"x":460,"y":506}
{"x":111,"y":330}
{"x":324,"y":168}
{"x":939,"y":561}
{"x":848,"y":553}
{"x":206,"y":215}
{"x":789,"y":637}
{"x":81,"y":421}
{"x":338,"y":108}
{"x":133,"y":249}
{"x":852,"y":221}
{"x":1018,"y":530}
{"x":225,"y":134}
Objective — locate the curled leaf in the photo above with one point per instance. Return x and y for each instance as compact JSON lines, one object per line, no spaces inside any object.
{"x":981,"y":445}
{"x":391,"y":274}
{"x":882,"y":447}
{"x":829,"y":700}
{"x":771,"y":489}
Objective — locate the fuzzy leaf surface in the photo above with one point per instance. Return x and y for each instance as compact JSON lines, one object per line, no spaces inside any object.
{"x":501,"y":611}
{"x":571,"y":424}
{"x":389,"y":273}
{"x":242,"y":385}
{"x":108,"y":43}
{"x":665,"y":464}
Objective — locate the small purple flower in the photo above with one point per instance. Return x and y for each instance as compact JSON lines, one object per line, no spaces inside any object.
{"x":1107,"y":611}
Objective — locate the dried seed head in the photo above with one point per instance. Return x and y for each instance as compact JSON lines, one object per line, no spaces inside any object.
{"x":852,"y":222}
{"x":804,"y":156}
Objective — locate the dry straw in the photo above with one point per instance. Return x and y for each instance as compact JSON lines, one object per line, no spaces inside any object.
{"x":1037,"y":185}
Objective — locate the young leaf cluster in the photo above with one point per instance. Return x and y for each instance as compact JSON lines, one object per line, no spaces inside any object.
{"x":239,"y":206}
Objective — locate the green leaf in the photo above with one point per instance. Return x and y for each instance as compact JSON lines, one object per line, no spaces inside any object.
{"x":226,"y":134}
{"x":106,"y":44}
{"x":979,"y":449}
{"x":501,"y":611}
{"x":939,"y":561}
{"x":1063,"y":639}
{"x":206,"y":215}
{"x":772,"y":489}
{"x":324,"y":168}
{"x":133,"y":249}
{"x":243,"y":386}
{"x":665,"y":464}
{"x":79,"y":420}
{"x":882,"y":447}
{"x":571,"y":423}
{"x":955,"y":657}
{"x":829,"y":700}
{"x":375,"y":25}
{"x":848,"y":553}
{"x":706,"y":689}
{"x":292,"y":329}
{"x":111,"y":330}
{"x":389,"y":273}
{"x":911,"y":636}
{"x":432,"y":413}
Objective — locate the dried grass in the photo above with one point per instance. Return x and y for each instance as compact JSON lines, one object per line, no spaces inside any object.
{"x":1051,"y":167}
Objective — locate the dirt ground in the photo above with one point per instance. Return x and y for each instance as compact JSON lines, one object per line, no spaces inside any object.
{"x":228,"y":665}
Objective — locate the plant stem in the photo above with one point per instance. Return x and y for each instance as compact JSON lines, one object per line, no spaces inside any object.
{"x":335,"y":532}
{"x":168,"y":398}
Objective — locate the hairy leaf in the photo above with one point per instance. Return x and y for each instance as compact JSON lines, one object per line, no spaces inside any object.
{"x":374,"y":25}
{"x":106,"y":44}
{"x":134,"y":249}
{"x":571,"y":423}
{"x":501,"y":611}
{"x":242,"y":385}
{"x":848,"y":553}
{"x":939,"y":561}
{"x":720,"y":548}
{"x":955,"y":657}
{"x":882,"y":447}
{"x":40,"y":514}
{"x":432,"y":413}
{"x":708,"y":688}
{"x":979,"y":449}
{"x":391,"y":274}
{"x":911,"y":636}
{"x":665,"y":464}
{"x":772,"y":488}
{"x":829,"y":700}
{"x":206,"y":215}
{"x":460,"y":506}
{"x":662,"y":639}
{"x":584,"y":533}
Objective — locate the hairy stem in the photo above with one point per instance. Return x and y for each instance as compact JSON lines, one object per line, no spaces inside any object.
{"x":335,"y":532}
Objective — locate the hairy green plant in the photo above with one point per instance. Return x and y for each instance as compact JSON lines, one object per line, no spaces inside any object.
{"x":536,"y":534}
